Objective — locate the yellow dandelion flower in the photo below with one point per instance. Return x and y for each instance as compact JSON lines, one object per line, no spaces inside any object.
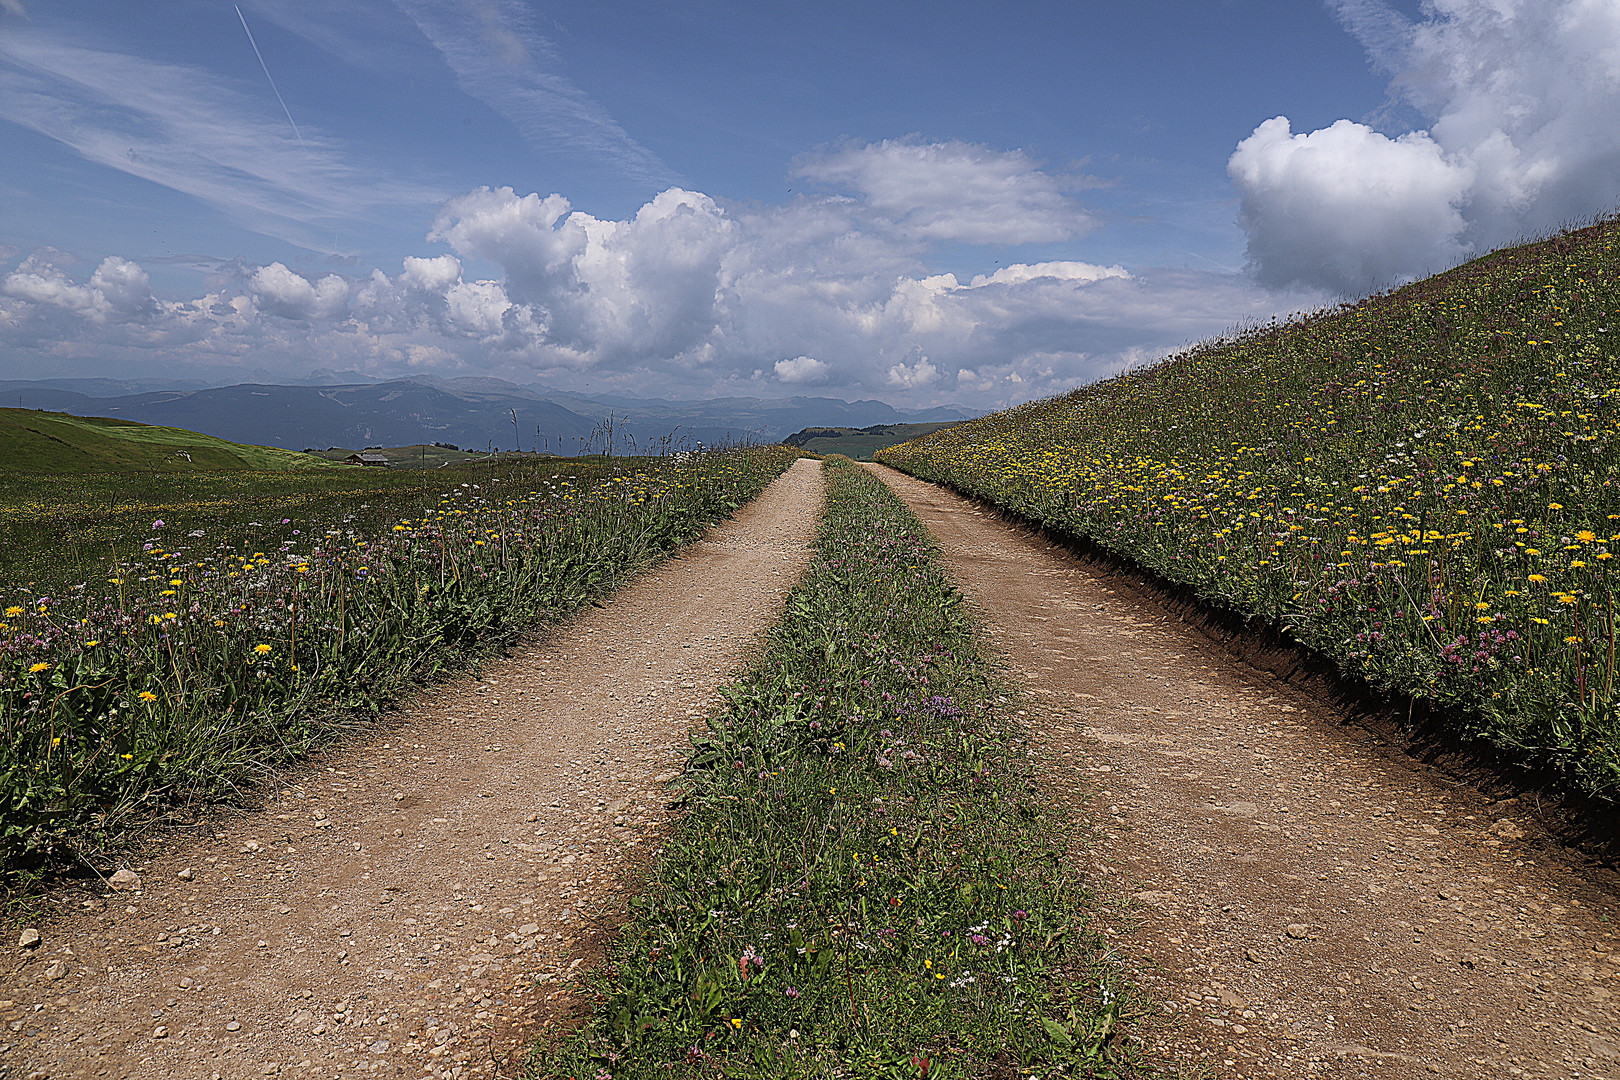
{"x":147,"y":695}
{"x":262,"y":650}
{"x":39,"y":667}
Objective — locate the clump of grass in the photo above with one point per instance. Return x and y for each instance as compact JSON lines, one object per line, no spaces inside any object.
{"x":195,"y":665}
{"x":864,"y":881}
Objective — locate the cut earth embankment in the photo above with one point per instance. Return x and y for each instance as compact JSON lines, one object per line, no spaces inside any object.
{"x":1308,"y":905}
{"x":406,"y":906}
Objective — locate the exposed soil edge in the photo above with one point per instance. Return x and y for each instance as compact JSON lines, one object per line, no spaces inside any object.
{"x":1577,"y":828}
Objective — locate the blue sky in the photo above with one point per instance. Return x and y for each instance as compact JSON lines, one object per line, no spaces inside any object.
{"x":925,"y":203}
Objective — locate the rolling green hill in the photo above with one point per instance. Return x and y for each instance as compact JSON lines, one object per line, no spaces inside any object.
{"x":49,"y":442}
{"x":859,"y":443}
{"x":1423,"y":487}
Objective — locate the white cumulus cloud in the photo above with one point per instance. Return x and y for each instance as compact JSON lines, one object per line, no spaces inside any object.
{"x":478,"y":307}
{"x":280,"y":291}
{"x":1520,"y":98}
{"x":920,"y":372}
{"x":1019,"y":273}
{"x":801,"y":369}
{"x":647,"y":285}
{"x":117,"y":289}
{"x":431,"y":275}
{"x":1346,"y":207}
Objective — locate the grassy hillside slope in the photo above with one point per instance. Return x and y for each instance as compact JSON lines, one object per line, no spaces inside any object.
{"x":1424,"y":486}
{"x":47,"y":442}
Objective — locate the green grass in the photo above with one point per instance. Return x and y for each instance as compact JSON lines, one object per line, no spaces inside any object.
{"x":1423,"y":487}
{"x":209,"y":648}
{"x":56,"y":444}
{"x":60,"y":531}
{"x":423,"y":456}
{"x":866,"y":881}
{"x":859,"y":443}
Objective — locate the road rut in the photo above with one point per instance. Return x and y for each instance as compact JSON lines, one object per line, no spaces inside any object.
{"x":1306,"y":903}
{"x":410,"y":906}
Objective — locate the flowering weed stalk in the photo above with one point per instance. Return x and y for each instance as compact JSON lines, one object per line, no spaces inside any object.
{"x":865,"y":882}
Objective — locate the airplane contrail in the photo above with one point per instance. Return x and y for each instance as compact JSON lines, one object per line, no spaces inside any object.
{"x":271,"y":79}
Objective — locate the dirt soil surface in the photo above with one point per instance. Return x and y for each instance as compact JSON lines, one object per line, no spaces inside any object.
{"x":416,"y":905}
{"x":1304,"y":901}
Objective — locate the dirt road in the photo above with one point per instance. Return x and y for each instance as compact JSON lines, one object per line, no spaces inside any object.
{"x":1314,"y":907}
{"x":407,"y":907}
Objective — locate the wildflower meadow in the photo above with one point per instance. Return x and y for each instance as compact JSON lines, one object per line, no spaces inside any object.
{"x":1423,"y":486}
{"x":210,"y":645}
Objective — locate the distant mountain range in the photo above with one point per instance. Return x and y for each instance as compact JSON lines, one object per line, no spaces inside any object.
{"x":475,"y":413}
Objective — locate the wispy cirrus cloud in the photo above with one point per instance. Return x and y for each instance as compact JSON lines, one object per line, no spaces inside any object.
{"x":499,"y":58}
{"x":956,"y":190}
{"x":372,"y":36}
{"x":194,"y":132}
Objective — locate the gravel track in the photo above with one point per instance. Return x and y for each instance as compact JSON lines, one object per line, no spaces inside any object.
{"x":418,"y":904}
{"x":1304,"y":902}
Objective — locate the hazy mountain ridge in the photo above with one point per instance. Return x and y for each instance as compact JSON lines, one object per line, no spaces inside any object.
{"x":474,"y":412}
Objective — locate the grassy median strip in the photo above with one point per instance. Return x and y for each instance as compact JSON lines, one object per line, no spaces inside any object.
{"x":865,"y":881}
